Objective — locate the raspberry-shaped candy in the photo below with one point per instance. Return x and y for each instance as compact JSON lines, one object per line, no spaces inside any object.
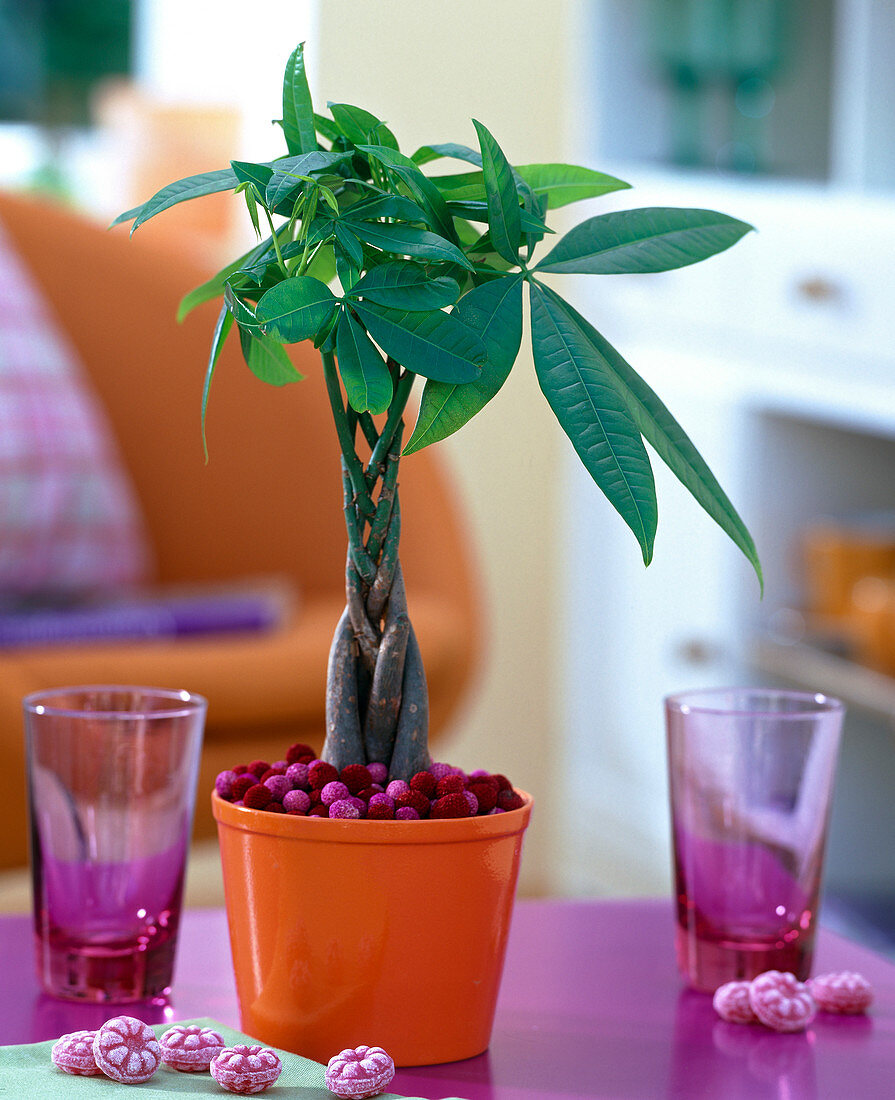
{"x":241,"y":785}
{"x":319,"y":811}
{"x":451,"y":805}
{"x":296,"y":752}
{"x":359,"y":1072}
{"x":356,"y":777}
{"x":731,"y":1002}
{"x":425,"y":782}
{"x":503,"y":784}
{"x":781,"y":1001}
{"x":246,"y":1069}
{"x":73,"y":1054}
{"x":258,"y":768}
{"x":190,"y":1048}
{"x":320,"y":773}
{"x":509,"y":800}
{"x":486,"y":792}
{"x":451,"y":784}
{"x":845,"y":992}
{"x":127,"y":1050}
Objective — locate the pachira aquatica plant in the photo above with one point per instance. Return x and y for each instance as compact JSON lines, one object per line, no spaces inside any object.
{"x":396,"y":274}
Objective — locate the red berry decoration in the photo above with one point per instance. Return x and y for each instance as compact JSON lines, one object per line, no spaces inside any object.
{"x":503,"y":783}
{"x":356,"y":777}
{"x":451,"y":805}
{"x":320,"y":773}
{"x":425,"y":782}
{"x":451,"y":784}
{"x":318,"y":811}
{"x":509,"y":800}
{"x":781,"y":1001}
{"x":257,"y":797}
{"x":359,"y":1072}
{"x":258,"y":767}
{"x":240,"y":785}
{"x":486,"y":793}
{"x":846,"y":992}
{"x":415,"y":800}
{"x":295,"y":753}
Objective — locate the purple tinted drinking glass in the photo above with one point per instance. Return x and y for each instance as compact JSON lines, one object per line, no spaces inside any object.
{"x":751,"y":776}
{"x":111,"y":785}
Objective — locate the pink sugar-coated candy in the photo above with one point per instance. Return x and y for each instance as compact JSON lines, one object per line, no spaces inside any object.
{"x":378,"y":772}
{"x":246,"y":1069}
{"x":334,"y":792}
{"x":127,"y":1050}
{"x":781,"y":1001}
{"x":731,"y":1002}
{"x":473,"y":802}
{"x":406,"y":813}
{"x":73,"y":1054}
{"x":845,"y":992}
{"x":279,"y":786}
{"x":224,"y":782}
{"x":382,"y":800}
{"x":397,"y":787}
{"x":190,"y":1048}
{"x":441,"y":770}
{"x":343,"y":808}
{"x":297,"y":774}
{"x":296,"y":802}
{"x":359,"y":1072}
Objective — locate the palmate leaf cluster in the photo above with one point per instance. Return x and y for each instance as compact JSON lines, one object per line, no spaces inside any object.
{"x":393,"y":272}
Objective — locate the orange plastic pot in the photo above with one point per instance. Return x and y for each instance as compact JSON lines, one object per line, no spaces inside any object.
{"x":391,"y":933}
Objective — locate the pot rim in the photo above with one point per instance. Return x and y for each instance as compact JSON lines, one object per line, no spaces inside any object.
{"x":362,"y":831}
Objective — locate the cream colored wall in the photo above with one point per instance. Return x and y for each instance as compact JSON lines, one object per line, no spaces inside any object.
{"x":427,"y":67}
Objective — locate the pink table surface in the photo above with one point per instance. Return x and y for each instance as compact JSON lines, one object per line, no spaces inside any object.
{"x":591,"y":1006}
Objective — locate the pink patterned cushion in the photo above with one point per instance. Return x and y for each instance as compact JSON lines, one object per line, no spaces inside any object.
{"x":69,"y":520}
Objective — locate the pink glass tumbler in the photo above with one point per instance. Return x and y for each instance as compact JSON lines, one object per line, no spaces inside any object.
{"x":751,"y":775}
{"x":111,"y":784}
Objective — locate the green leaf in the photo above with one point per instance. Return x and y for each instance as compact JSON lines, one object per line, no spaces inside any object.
{"x":248,"y":172}
{"x":583,"y":394}
{"x":561,"y":184}
{"x":350,"y":245}
{"x":192,"y":187}
{"x":266,"y":358}
{"x":494,"y":311}
{"x":243,"y":314}
{"x":660,"y":429}
{"x":295,"y":309}
{"x":214,"y":287}
{"x":408,"y":240}
{"x":221,"y":332}
{"x":428,"y":153}
{"x":642,"y":241}
{"x":435,"y":345}
{"x":368,"y":383}
{"x":503,"y":201}
{"x":323,"y":266}
{"x":421,"y":187}
{"x":298,"y":111}
{"x":360,"y":127}
{"x":406,"y":286}
{"x":386,"y":206}
{"x":285,"y":176}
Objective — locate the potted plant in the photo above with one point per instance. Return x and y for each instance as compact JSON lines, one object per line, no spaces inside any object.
{"x":396,"y":274}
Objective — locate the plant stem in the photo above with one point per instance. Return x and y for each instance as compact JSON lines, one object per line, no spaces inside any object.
{"x":346,"y":441}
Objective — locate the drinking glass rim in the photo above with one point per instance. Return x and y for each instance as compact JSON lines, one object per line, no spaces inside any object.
{"x":699,"y":701}
{"x":183,"y":703}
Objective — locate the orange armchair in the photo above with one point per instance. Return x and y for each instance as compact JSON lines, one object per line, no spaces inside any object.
{"x":267,"y":503}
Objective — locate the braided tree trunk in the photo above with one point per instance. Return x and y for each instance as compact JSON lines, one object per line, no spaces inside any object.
{"x":377,"y":707}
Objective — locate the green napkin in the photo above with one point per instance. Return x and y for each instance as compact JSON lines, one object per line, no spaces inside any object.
{"x":29,"y":1071}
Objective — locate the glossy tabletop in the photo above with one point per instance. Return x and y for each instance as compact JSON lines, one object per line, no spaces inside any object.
{"x":591,"y":1006}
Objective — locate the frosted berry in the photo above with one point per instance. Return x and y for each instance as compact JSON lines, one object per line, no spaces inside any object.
{"x":441,"y":770}
{"x":333,"y":792}
{"x":296,"y":802}
{"x":297,"y":774}
{"x":406,"y":813}
{"x":359,"y":1072}
{"x":396,"y":787}
{"x":190,"y":1048}
{"x":246,"y":1069}
{"x":73,"y":1054}
{"x":378,"y":772}
{"x":343,"y":808}
{"x":845,"y":992}
{"x":473,"y":802}
{"x":279,"y":786}
{"x":223,"y":784}
{"x":781,"y":1001}
{"x":127,"y":1050}
{"x":731,"y":1002}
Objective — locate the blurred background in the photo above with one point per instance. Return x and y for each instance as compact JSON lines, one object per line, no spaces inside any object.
{"x":776,"y":357}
